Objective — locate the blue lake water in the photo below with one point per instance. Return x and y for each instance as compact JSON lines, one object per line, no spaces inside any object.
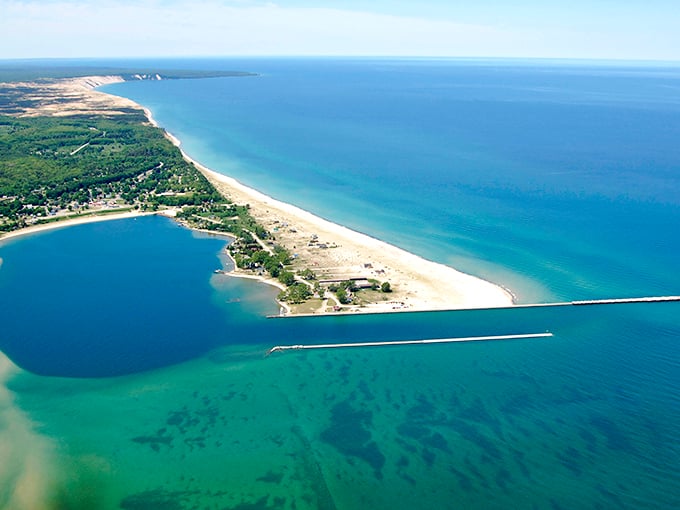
{"x":557,"y":180}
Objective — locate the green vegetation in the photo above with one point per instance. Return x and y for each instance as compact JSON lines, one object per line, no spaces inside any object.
{"x":41,"y":70}
{"x":53,"y":169}
{"x":222,"y":216}
{"x":296,"y":293}
{"x":57,"y":168}
{"x":52,"y":166}
{"x":248,"y":254}
{"x":348,"y":291}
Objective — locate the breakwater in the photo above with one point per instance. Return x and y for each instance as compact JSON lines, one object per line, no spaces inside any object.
{"x":281,"y":348}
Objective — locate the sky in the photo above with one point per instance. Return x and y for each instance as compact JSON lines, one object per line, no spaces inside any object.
{"x":583,"y":29}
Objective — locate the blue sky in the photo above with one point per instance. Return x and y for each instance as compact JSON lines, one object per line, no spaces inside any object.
{"x":600,"y":29}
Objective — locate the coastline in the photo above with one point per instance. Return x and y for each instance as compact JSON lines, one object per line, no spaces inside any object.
{"x":72,"y":222}
{"x":333,"y":252}
{"x":423,"y":285}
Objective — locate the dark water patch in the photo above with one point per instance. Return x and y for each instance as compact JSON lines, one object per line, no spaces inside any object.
{"x":503,"y":478}
{"x":159,"y":499}
{"x":519,"y":458}
{"x":155,"y":441}
{"x":271,"y":477}
{"x":474,"y":435}
{"x":425,"y":411}
{"x":182,"y":420}
{"x":278,"y":440}
{"x":409,"y":479}
{"x":437,"y":441}
{"x":366,"y":390}
{"x":407,"y":446}
{"x":428,"y":457}
{"x":260,"y":504}
{"x":589,"y":438}
{"x":518,"y":404}
{"x":471,"y":468}
{"x":349,"y":434}
{"x":512,"y":376}
{"x":572,"y":460}
{"x":522,"y":430}
{"x":616,"y":439}
{"x":464,"y":481}
{"x":312,"y":473}
{"x":478,"y":412}
{"x":208,"y":416}
{"x":412,"y":430}
{"x":555,"y":505}
{"x":344,"y":372}
{"x":612,"y":500}
{"x":545,"y":427}
{"x":194,"y":442}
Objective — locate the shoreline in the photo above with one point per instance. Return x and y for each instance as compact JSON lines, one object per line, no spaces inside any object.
{"x":473,"y":292}
{"x":94,"y":218}
{"x":332,"y":251}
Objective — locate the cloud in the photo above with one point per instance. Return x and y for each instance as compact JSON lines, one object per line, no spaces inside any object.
{"x":210,"y":27}
{"x":79,"y":28}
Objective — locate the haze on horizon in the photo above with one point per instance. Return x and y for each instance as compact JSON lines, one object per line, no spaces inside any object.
{"x":582,"y":29}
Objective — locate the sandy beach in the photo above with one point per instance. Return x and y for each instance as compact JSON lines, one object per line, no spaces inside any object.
{"x":418,"y":284}
{"x":332,"y":251}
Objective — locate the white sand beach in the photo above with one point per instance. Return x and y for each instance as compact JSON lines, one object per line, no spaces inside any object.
{"x":418,"y":284}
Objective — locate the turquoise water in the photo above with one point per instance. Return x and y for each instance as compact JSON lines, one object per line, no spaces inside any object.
{"x":145,"y":373}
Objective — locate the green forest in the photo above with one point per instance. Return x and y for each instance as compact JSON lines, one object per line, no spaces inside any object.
{"x":56,"y":168}
{"x":50,"y":165}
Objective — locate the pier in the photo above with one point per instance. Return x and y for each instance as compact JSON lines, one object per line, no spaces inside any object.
{"x":589,"y":302}
{"x":653,"y":299}
{"x":281,"y":348}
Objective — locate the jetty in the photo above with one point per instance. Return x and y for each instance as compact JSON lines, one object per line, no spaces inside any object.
{"x":281,"y":348}
{"x":653,"y":299}
{"x":588,"y":302}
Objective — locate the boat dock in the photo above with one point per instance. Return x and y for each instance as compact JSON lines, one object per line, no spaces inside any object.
{"x":281,"y":348}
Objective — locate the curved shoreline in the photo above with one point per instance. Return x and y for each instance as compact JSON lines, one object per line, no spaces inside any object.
{"x":332,"y":251}
{"x":34,"y":229}
{"x":470,"y":291}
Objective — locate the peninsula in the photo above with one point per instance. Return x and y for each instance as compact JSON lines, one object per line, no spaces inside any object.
{"x":320,"y":267}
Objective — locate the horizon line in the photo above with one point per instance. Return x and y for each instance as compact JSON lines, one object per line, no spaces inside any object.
{"x":598,"y":60}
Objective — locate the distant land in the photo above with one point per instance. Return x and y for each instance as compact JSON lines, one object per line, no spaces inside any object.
{"x":11,"y":71}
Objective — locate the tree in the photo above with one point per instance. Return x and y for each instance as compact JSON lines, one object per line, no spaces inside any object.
{"x":342,"y":296}
{"x":386,"y":287}
{"x":295,"y":294}
{"x":287,"y":278}
{"x":349,"y":285}
{"x":320,"y":291}
{"x":307,"y":274}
